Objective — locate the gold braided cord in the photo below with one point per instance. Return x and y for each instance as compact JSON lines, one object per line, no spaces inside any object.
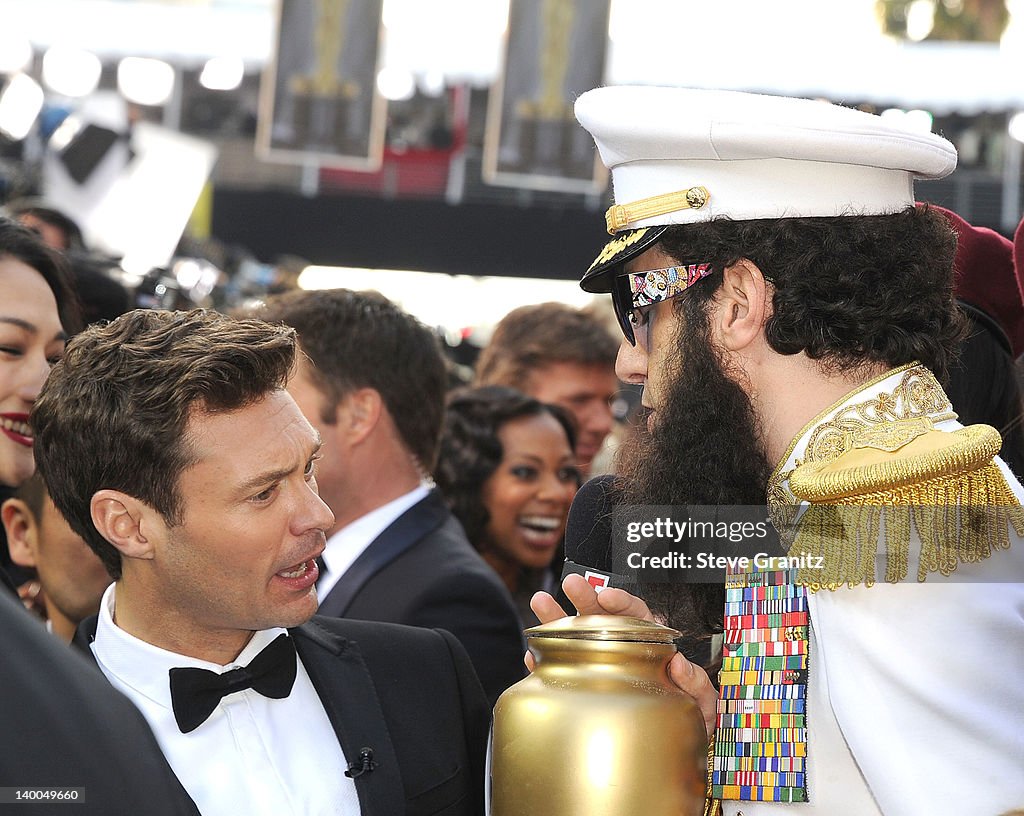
{"x":959,"y":518}
{"x":621,"y":214}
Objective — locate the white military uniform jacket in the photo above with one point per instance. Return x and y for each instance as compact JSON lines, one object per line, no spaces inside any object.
{"x":915,"y":690}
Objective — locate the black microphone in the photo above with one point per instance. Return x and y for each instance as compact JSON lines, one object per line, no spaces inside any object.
{"x":589,"y":552}
{"x":364,"y":764}
{"x":588,"y":538}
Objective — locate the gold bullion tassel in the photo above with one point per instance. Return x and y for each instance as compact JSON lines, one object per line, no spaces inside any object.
{"x":896,"y":479}
{"x":712,"y":807}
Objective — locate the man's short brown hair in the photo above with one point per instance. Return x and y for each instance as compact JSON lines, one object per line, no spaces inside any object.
{"x":363,"y":340}
{"x":532,"y":337}
{"x":114,"y":411}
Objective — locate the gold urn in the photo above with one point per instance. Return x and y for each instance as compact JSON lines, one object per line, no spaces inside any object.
{"x":598,"y":728}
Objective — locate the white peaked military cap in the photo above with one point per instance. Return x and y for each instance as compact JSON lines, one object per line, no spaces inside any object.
{"x":681,"y":156}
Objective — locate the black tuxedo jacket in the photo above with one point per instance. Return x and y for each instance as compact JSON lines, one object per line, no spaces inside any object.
{"x":422,"y":571}
{"x":63,"y":725}
{"x":411,"y":696}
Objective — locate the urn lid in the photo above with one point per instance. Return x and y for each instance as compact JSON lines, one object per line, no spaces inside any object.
{"x":605,"y":627}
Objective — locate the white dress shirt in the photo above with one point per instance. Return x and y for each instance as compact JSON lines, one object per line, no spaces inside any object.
{"x":254,"y":755}
{"x":346,"y":545}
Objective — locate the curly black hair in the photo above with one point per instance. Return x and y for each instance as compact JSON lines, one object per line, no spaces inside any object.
{"x":471,"y":450}
{"x":849,"y":291}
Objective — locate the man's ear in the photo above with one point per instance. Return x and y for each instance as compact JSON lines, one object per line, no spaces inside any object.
{"x":22,"y":532}
{"x":742,"y":305}
{"x":358,"y":414}
{"x":128,"y":524}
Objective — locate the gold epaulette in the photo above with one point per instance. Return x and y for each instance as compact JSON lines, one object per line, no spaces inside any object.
{"x":898,"y":476}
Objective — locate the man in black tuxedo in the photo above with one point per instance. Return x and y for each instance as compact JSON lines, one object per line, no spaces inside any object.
{"x":170,"y":444}
{"x":372,"y":382}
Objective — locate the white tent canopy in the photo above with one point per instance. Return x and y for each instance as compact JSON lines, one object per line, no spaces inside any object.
{"x":943,"y":78}
{"x":796,"y":47}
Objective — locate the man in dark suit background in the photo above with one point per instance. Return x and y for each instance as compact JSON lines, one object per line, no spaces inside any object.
{"x":170,"y":444}
{"x":372,"y":381}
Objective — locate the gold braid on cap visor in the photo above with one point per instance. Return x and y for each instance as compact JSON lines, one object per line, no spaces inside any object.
{"x":619,"y":215}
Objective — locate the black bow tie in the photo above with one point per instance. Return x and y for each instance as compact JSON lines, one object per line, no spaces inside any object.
{"x":195,"y":693}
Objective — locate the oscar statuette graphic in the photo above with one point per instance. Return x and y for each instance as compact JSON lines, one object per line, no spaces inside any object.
{"x":319,"y":101}
{"x":546,"y":122}
{"x":554,"y":51}
{"x":322,"y":98}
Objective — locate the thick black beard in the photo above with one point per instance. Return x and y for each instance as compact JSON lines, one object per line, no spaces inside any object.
{"x":705,"y":449}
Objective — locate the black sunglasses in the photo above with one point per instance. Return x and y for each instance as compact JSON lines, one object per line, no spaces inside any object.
{"x":628,"y":301}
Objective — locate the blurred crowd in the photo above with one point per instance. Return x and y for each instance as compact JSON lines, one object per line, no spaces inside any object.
{"x":501,"y":436}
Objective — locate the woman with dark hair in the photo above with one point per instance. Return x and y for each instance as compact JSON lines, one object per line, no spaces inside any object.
{"x":508,"y":472}
{"x":38,"y":311}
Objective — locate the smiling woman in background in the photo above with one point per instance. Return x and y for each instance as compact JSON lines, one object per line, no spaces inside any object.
{"x":38,"y":311}
{"x":508,"y":472}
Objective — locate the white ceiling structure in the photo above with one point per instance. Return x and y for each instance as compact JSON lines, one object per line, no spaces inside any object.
{"x":794,"y":47}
